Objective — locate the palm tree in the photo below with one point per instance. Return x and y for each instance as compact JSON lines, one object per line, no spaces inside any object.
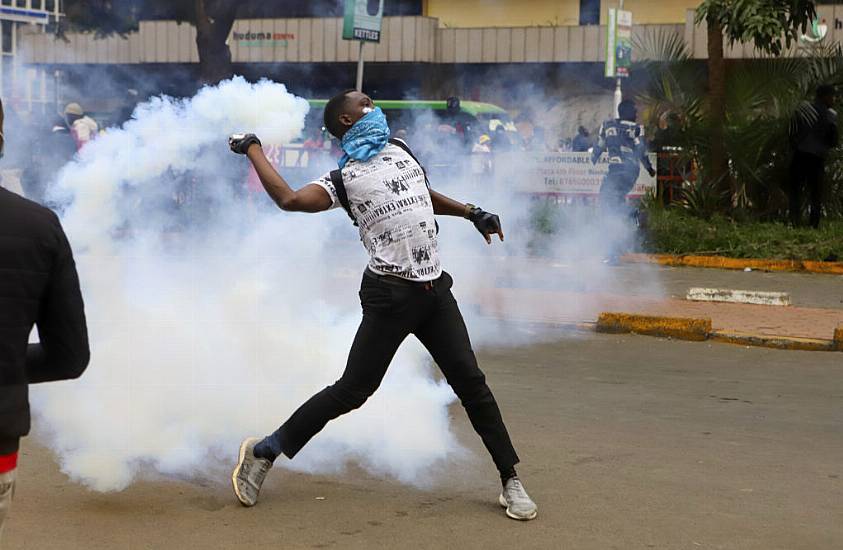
{"x":762,"y":102}
{"x":770,"y":25}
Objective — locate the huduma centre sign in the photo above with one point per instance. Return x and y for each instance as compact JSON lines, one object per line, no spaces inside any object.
{"x":262,"y":39}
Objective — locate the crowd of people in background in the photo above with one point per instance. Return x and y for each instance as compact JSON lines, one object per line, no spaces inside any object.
{"x":441,"y":134}
{"x":44,"y":142}
{"x":48,"y":141}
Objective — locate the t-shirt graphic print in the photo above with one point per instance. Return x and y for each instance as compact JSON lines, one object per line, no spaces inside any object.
{"x":391,"y":203}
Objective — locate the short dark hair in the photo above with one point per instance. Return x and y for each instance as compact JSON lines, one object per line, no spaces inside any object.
{"x":333,"y":109}
{"x":626,"y":109}
{"x":825,"y":90}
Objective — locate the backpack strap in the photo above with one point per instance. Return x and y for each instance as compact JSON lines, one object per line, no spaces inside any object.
{"x":342,"y":195}
{"x":403,"y":145}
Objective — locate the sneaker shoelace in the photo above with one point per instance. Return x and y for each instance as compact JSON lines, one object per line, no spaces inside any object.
{"x":516,"y":490}
{"x":254,"y":470}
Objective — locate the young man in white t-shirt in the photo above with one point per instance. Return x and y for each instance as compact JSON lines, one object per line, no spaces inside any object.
{"x":404,"y":290}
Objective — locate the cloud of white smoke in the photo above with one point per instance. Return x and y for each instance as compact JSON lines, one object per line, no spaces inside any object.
{"x":212,"y":318}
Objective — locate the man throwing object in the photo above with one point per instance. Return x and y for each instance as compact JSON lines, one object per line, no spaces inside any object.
{"x":404,"y":290}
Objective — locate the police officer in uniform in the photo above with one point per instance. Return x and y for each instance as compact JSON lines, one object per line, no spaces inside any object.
{"x":622,"y":139}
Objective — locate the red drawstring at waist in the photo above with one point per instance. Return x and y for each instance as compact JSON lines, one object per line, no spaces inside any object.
{"x":8,"y":462}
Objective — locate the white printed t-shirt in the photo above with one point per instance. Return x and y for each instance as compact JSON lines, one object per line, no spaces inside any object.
{"x":391,"y":203}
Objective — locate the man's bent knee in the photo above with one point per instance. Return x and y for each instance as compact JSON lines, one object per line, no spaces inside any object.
{"x":350,"y":398}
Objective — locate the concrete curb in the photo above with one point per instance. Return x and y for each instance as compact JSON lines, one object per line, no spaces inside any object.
{"x":698,"y":330}
{"x":776,"y":342}
{"x":670,"y":327}
{"x":722,"y":262}
{"x":695,"y":330}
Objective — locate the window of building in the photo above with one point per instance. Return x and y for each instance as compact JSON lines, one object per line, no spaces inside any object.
{"x":589,"y":12}
{"x":260,"y":9}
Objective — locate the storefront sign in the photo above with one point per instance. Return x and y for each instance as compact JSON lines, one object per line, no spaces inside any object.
{"x":618,"y":43}
{"x":363,"y":20}
{"x":563,"y":173}
{"x":262,"y":39}
{"x":818,"y":31}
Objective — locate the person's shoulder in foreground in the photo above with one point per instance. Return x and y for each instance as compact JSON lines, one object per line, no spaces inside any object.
{"x":17,"y":209}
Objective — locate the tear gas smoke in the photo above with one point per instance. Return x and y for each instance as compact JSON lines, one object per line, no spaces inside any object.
{"x":213,"y":319}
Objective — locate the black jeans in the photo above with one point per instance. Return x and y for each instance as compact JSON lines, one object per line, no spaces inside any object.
{"x":806,"y":168}
{"x":392,"y":310}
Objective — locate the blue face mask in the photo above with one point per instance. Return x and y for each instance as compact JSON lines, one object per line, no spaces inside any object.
{"x":366,"y":138}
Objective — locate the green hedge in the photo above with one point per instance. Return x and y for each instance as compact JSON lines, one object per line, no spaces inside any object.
{"x":671,"y":231}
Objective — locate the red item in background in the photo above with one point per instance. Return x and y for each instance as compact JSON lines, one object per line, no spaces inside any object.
{"x":8,"y":462}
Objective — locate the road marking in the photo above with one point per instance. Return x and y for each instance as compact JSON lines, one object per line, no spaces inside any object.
{"x":738,"y":296}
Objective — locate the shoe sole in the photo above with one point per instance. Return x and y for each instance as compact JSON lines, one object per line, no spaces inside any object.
{"x":240,"y":459}
{"x":502,"y":502}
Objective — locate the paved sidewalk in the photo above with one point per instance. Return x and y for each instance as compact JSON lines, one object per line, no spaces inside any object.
{"x":576,"y":307}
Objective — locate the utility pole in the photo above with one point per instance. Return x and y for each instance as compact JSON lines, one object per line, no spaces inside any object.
{"x":359,"y":86}
{"x":362,"y":22}
{"x":618,"y":90}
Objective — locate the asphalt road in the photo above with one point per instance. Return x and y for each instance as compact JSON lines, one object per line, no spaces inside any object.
{"x":806,"y":289}
{"x":627,"y":442}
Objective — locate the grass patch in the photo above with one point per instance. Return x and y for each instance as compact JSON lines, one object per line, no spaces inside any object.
{"x":671,"y":231}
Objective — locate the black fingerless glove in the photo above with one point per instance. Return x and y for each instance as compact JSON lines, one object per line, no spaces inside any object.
{"x":485,"y":222}
{"x":240,"y":143}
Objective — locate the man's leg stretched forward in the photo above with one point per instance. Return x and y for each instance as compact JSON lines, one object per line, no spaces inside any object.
{"x":375,"y":344}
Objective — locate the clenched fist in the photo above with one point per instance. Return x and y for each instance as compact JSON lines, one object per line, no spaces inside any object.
{"x":486,"y":223}
{"x":240,"y":143}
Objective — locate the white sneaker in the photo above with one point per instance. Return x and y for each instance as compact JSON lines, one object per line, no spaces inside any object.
{"x":517,"y":502}
{"x":249,"y":473}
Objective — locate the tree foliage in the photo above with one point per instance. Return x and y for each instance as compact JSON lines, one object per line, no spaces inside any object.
{"x":213,"y":20}
{"x":770,"y":25}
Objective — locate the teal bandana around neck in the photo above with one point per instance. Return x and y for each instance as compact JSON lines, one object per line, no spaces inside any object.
{"x":366,"y":138}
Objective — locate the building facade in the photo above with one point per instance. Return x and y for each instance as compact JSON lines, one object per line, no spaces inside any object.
{"x":428,"y":47}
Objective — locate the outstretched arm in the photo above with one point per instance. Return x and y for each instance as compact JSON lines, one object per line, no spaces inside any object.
{"x":310,"y":198}
{"x":446,"y":206}
{"x":486,"y":223}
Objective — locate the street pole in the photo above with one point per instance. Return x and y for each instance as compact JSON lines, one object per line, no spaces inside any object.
{"x":618,"y":90}
{"x":360,"y":68}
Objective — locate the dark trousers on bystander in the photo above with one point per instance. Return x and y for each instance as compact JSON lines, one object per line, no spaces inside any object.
{"x":392,"y":310}
{"x":615,"y":187}
{"x":616,"y":214}
{"x":807,"y":169}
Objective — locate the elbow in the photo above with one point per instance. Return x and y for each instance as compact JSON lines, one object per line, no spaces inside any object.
{"x":78,"y":364}
{"x":288,"y":204}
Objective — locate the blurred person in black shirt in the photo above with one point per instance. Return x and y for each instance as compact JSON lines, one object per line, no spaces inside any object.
{"x":38,"y":287}
{"x":815,"y":135}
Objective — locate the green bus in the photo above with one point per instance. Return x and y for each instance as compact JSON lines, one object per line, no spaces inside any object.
{"x":403,"y":111}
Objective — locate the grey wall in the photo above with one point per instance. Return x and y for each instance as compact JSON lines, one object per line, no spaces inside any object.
{"x":403,"y":39}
